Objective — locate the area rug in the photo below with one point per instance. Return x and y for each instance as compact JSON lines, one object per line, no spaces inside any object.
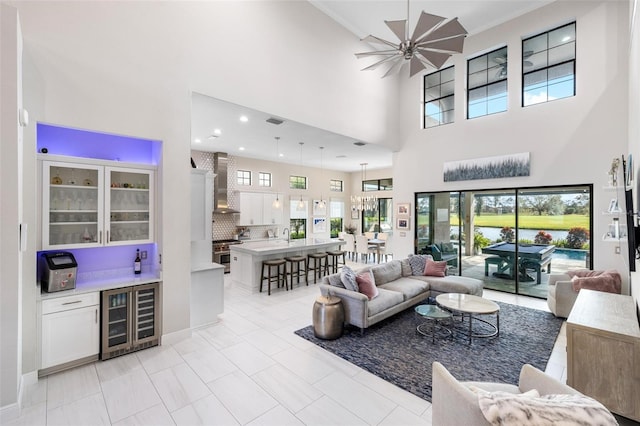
{"x":395,"y":352}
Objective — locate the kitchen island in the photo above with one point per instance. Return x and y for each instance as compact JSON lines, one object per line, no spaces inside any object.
{"x":246,"y":258}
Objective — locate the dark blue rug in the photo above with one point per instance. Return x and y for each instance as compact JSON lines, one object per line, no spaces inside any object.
{"x":395,"y":352}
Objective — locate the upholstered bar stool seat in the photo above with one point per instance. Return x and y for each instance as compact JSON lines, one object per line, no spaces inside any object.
{"x":279,"y":277}
{"x":317,"y":262}
{"x":335,"y":256}
{"x":297,"y":268}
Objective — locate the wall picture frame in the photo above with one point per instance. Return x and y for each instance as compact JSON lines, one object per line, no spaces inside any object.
{"x":354,"y":213}
{"x":402,"y":223}
{"x":319,"y":225}
{"x":614,"y":207}
{"x":403,"y":209}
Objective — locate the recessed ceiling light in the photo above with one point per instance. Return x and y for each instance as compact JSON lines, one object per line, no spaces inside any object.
{"x":244,"y":118}
{"x":197,"y":140}
{"x":341,"y":156}
{"x":241,"y":148}
{"x":217,"y":131}
{"x":281,"y":155}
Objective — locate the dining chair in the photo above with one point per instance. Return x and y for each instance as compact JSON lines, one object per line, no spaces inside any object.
{"x":363,"y":248}
{"x":350,"y":245}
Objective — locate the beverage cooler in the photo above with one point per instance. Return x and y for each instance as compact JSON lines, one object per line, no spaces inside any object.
{"x":130,"y":319}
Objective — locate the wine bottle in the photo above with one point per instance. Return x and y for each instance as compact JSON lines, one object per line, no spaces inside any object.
{"x":137,"y":266}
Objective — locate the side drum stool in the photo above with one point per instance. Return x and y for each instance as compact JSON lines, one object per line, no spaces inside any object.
{"x":328,"y":317}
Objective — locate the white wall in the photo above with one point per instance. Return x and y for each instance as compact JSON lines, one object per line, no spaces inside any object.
{"x":634,"y":115}
{"x":129,"y":68}
{"x":571,"y":141}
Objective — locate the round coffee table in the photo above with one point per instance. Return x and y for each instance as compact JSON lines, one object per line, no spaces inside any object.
{"x":471,"y":307}
{"x":435,"y":316}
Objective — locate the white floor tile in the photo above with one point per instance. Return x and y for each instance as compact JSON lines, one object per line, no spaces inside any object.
{"x":401,"y":397}
{"x":304,"y":364}
{"x":179,"y":386}
{"x":402,"y":416}
{"x":247,"y":358}
{"x":156,"y":416}
{"x":35,"y":393}
{"x":287,"y":388}
{"x":117,"y":367}
{"x":159,"y":358}
{"x":209,"y":364}
{"x":357,"y":398}
{"x":71,"y":385}
{"x":206,"y":411}
{"x":326,"y":411}
{"x":242,"y":396}
{"x":267,"y":342}
{"x":192,"y":344}
{"x":29,"y":416}
{"x":129,"y":394}
{"x":82,"y":412}
{"x":278,"y":416}
{"x":219,"y":336}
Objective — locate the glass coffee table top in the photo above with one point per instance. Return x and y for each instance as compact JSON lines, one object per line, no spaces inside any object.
{"x":437,"y":321}
{"x":432,"y":311}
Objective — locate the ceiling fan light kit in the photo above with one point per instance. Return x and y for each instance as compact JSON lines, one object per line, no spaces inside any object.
{"x":434,"y":40}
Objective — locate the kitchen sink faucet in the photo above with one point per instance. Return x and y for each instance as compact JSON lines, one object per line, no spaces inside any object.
{"x":288,"y":232}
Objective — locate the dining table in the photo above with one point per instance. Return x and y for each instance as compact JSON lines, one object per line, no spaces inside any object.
{"x":378,"y":243}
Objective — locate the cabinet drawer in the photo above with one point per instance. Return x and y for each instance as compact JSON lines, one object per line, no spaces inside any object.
{"x":66,"y":303}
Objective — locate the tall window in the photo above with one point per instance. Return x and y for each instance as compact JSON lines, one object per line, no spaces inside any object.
{"x":244,"y":177}
{"x":298,"y":221}
{"x":380,"y":220}
{"x":439,"y":98}
{"x":549,"y":65}
{"x":264,"y":179}
{"x":297,"y":182}
{"x":336,"y":186}
{"x":377,"y":185}
{"x":487,"y":84}
{"x":336,"y":212}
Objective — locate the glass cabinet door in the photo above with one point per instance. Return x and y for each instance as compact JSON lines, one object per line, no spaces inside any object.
{"x":72,"y":205}
{"x":129,"y":205}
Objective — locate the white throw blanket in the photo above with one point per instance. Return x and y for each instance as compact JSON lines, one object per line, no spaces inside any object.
{"x":505,"y":409}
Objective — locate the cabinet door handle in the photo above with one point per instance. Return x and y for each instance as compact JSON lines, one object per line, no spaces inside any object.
{"x":108,"y":238}
{"x":71,"y":303}
{"x":100,"y":237}
{"x":96,"y":315}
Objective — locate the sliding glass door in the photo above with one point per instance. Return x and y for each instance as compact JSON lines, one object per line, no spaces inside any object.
{"x":512,"y":239}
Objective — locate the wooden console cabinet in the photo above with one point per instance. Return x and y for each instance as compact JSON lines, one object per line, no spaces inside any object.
{"x":603,"y":350}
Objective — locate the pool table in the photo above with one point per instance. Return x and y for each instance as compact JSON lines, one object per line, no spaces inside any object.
{"x":530,"y":256}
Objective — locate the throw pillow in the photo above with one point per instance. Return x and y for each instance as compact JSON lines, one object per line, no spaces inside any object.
{"x":366,"y":284}
{"x":348,"y":278}
{"x":504,"y":408}
{"x":418,"y":262}
{"x":336,"y":281}
{"x":433,"y":268}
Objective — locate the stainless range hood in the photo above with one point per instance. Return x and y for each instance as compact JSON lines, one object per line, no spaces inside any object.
{"x":220,"y":188}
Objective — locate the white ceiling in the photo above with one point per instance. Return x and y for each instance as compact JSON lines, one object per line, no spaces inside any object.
{"x":362,"y":17}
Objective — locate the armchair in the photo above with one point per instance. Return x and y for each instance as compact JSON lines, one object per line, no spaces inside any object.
{"x":455,"y":403}
{"x":562,"y":292}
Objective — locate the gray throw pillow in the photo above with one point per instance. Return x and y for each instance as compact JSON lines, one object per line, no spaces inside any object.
{"x":348,"y":278}
{"x":336,"y":281}
{"x":418,"y":262}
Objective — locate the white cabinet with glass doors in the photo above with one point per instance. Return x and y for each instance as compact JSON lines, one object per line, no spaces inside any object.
{"x":93,"y":205}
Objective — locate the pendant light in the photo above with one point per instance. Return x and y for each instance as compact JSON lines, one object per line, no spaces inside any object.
{"x":322,"y":203}
{"x":276,"y":202}
{"x":301,"y":202}
{"x":364,"y":202}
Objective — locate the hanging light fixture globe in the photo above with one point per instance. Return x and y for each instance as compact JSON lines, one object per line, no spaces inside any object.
{"x":276,"y":202}
{"x":364,"y":202}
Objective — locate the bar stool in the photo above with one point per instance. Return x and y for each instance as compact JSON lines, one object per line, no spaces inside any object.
{"x":280,"y":276}
{"x":296,"y":267}
{"x":318,"y":266}
{"x":335,"y":255}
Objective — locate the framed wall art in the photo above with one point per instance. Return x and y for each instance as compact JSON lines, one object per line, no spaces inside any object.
{"x":403,"y":209}
{"x":402,"y":223}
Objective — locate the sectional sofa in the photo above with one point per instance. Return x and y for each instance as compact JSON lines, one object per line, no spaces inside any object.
{"x":399,"y":286}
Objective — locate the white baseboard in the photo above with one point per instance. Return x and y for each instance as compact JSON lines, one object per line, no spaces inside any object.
{"x":9,"y":412}
{"x":176,"y":336}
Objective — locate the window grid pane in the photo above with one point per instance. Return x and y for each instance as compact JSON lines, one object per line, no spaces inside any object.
{"x":438,"y":98}
{"x":244,"y":177}
{"x":264,"y":179}
{"x":487,"y":83}
{"x":297,"y":182}
{"x":336,"y":186}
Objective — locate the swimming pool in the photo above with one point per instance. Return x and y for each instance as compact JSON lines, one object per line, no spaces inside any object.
{"x":569,"y":254}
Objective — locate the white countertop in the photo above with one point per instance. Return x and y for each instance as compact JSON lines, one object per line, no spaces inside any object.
{"x":105,"y":280}
{"x":280,"y":245}
{"x":205,"y":266}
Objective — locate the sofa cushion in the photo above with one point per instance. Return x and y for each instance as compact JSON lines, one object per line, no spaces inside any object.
{"x":386,"y":299}
{"x":387,"y":272}
{"x":435,"y":268}
{"x":418,"y":262}
{"x":367,"y":284}
{"x":348,"y":277}
{"x":607,"y":281}
{"x":453,"y":284}
{"x":406,"y":267}
{"x":335,"y":280}
{"x":407,"y":287}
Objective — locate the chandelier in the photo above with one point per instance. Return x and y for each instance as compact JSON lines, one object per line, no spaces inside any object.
{"x":434,"y":40}
{"x":364,"y":202}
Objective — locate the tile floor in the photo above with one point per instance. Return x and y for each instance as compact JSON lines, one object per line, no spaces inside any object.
{"x":248,"y":369}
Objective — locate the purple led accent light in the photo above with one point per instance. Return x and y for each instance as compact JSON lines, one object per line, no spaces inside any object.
{"x":107,"y":258}
{"x":89,"y":144}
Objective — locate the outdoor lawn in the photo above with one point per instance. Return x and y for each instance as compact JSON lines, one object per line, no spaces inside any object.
{"x":545,"y":223}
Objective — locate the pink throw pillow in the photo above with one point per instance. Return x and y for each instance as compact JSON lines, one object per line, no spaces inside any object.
{"x":366,"y":284}
{"x":435,"y":268}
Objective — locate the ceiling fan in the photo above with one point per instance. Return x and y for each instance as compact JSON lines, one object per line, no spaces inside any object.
{"x":502,"y":61}
{"x":434,"y":40}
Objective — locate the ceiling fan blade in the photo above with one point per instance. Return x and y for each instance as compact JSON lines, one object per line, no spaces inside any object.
{"x":377,"y":52}
{"x":527,"y":53}
{"x":426,"y":22}
{"x":454,"y":44}
{"x":500,"y":60}
{"x":527,"y":63}
{"x":399,"y":28}
{"x":437,"y":59}
{"x":395,"y":67}
{"x":415,"y":66}
{"x":380,"y":62}
{"x":451,"y":28}
{"x":374,"y":39}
